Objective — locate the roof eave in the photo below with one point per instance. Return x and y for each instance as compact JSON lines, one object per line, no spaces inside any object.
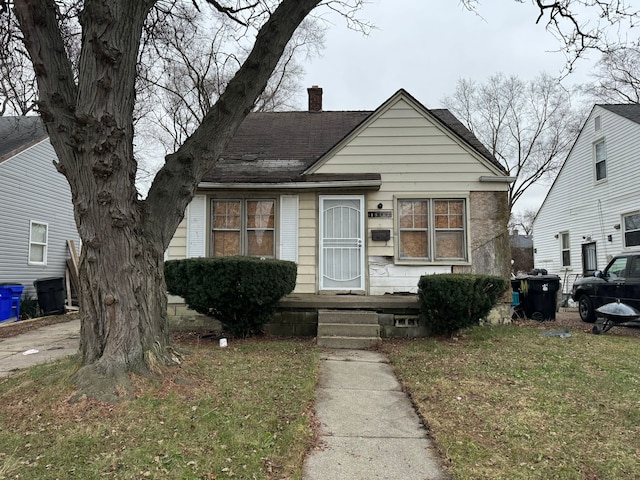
{"x":370,"y":184}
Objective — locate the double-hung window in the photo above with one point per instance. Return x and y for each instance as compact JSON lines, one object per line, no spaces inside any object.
{"x":565,"y":248}
{"x":589,"y":258}
{"x":38,"y":238}
{"x":432,"y":230}
{"x":631,"y":224}
{"x":601,"y":160}
{"x":243,"y":227}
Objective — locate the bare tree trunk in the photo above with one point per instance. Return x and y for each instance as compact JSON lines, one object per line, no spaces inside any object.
{"x":123,"y":312}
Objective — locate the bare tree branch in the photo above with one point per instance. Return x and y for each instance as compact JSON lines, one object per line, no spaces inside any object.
{"x":528,"y":127}
{"x":232,"y":12}
{"x":582,"y":25}
{"x":616,"y":78}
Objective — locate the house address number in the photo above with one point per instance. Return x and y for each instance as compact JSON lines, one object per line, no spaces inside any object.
{"x":380,"y":214}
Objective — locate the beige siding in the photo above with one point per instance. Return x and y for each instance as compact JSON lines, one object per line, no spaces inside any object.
{"x":411,"y":151}
{"x":178,"y":245}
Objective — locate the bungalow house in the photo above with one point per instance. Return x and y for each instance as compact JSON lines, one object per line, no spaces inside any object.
{"x":592,"y":210}
{"x":365,"y":202}
{"x":36,"y":211}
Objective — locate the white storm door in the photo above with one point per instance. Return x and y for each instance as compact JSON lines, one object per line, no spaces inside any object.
{"x":341,"y":242}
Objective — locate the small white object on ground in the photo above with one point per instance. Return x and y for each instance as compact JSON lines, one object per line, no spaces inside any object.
{"x":30,"y":351}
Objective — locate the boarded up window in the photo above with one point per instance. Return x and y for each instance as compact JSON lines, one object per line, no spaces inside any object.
{"x":432,"y":229}
{"x":226,"y":227}
{"x":243,"y":227}
{"x":449,"y":229}
{"x":413,"y":217}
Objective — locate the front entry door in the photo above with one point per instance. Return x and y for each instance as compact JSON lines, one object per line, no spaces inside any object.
{"x":341,"y":242}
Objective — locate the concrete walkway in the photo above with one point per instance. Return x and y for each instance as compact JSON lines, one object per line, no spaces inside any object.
{"x":39,"y":346}
{"x":368,"y":427}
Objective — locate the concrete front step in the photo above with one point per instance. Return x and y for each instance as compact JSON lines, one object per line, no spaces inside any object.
{"x":347,"y":316}
{"x":348,"y":330}
{"x":353,"y":343}
{"x":354,"y":329}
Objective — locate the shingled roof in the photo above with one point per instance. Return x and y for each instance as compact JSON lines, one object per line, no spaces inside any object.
{"x":278,"y":147}
{"x":18,"y":133}
{"x":630,"y":111}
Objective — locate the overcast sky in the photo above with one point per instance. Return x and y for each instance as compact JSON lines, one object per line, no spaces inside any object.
{"x":425,"y":46}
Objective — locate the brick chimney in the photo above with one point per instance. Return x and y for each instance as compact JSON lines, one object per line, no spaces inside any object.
{"x":315,"y":98}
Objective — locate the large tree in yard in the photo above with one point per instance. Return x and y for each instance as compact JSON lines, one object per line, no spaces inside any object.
{"x":87,"y":103}
{"x":90,"y":124}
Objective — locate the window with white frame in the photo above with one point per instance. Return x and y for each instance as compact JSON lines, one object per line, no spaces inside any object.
{"x":38,"y":238}
{"x":597,"y":123}
{"x":631,"y":232}
{"x":589,"y":258}
{"x":600,"y":151}
{"x":432,"y":230}
{"x":565,"y":249}
{"x":243,"y":227}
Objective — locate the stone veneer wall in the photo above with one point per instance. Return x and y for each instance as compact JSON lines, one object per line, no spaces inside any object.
{"x":490,"y":248}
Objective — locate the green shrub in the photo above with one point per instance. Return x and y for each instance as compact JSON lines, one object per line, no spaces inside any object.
{"x":241,"y":292}
{"x":451,"y":302}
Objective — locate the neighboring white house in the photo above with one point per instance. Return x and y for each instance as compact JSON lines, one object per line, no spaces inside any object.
{"x":592,"y":210}
{"x":36,"y":213}
{"x":364,"y":202}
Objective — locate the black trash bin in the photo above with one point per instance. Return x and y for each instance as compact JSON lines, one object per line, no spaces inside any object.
{"x":51,"y":295}
{"x":540,"y":298}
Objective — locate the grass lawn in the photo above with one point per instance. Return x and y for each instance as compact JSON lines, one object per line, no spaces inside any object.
{"x":244,"y":411}
{"x":509,"y":403}
{"x":501,"y":403}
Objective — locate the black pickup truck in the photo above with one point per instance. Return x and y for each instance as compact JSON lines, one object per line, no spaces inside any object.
{"x":620,"y":280}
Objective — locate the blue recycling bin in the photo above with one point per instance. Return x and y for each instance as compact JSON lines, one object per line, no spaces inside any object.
{"x":16,"y":297}
{"x":5,"y":303}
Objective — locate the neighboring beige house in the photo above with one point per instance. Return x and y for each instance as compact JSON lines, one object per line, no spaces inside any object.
{"x":365,"y":202}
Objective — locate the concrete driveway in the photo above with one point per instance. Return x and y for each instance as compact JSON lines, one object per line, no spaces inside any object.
{"x":39,"y":346}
